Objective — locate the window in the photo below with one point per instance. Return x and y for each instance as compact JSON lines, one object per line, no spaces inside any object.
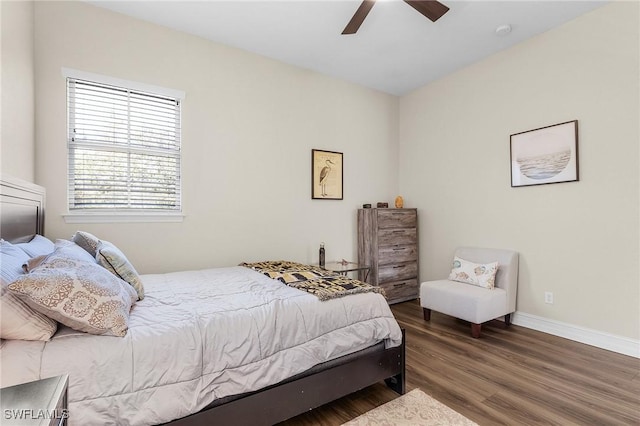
{"x":124,"y":149}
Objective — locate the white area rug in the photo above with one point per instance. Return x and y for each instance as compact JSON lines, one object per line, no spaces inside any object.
{"x":413,"y":408}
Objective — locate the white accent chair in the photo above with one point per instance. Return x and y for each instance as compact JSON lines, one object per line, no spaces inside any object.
{"x":473,"y":303}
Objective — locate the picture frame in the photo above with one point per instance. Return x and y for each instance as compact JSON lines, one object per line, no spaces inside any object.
{"x":326,"y":175}
{"x":545,"y":155}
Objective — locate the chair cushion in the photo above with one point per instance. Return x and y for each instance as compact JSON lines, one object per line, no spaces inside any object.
{"x":464,"y":301}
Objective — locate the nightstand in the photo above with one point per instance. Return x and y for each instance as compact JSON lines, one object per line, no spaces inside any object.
{"x":343,"y":268}
{"x":43,"y":402}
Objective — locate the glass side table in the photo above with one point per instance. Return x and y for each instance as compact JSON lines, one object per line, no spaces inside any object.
{"x":343,"y":268}
{"x":42,"y":403}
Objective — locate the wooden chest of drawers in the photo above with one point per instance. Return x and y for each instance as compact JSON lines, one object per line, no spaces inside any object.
{"x":388,"y":242}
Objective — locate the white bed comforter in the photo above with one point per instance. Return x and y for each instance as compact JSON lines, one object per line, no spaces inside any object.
{"x":198,"y":336}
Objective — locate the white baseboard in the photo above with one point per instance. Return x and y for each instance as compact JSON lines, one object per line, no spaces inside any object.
{"x":611,"y":342}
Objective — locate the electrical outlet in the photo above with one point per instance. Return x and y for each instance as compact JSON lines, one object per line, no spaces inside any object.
{"x":548,"y":297}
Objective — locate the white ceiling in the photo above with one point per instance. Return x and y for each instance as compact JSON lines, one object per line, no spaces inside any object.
{"x":395,"y":51}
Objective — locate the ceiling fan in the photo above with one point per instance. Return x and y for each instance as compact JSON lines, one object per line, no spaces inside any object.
{"x":430,"y":8}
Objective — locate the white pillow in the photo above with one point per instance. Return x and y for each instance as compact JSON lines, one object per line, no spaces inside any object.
{"x":482,"y":275}
{"x":11,"y":260}
{"x":38,"y":246}
{"x":20,"y":322}
{"x":17,"y":319}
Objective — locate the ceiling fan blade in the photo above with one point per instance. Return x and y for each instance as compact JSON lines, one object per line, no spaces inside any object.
{"x":430,"y":8}
{"x":358,"y":17}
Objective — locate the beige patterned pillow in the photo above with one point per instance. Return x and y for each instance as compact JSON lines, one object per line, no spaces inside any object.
{"x":79,"y":294}
{"x":87,"y":241}
{"x":109,"y":256}
{"x":482,"y":275}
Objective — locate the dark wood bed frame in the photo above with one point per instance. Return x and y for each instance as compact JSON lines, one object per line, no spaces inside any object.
{"x":22,"y":216}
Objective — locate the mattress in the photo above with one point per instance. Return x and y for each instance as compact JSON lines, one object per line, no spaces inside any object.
{"x":198,"y":336}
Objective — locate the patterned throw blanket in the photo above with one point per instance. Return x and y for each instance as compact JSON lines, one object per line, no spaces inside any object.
{"x":323,"y":284}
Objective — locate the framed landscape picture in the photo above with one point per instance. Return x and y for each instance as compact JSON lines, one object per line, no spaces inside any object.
{"x":326,"y":175}
{"x":545,"y":155}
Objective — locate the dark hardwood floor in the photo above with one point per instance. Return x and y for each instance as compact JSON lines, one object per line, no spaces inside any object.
{"x":511,"y":376}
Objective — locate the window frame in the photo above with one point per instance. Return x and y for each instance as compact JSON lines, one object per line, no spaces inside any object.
{"x":109,"y":215}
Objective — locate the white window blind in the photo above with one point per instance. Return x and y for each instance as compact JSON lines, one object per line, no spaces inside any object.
{"x":124,"y":149}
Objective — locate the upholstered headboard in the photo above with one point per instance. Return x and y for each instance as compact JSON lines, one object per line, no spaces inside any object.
{"x":21,"y":209}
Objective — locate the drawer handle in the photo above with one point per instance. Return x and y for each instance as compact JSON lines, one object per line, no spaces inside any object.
{"x":399,"y":231}
{"x":397,"y":266}
{"x":399,"y":248}
{"x":399,"y":285}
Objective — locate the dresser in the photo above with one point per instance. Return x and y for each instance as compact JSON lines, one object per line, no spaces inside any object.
{"x":388,"y":243}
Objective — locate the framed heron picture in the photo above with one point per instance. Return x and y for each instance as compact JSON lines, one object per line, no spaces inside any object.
{"x":545,"y":155}
{"x":326,"y":175}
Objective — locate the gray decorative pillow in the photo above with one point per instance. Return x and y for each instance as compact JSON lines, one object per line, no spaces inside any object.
{"x":87,"y":241}
{"x":109,"y":256}
{"x":79,"y":294}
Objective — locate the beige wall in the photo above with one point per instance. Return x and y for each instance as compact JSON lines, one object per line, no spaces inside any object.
{"x":578,"y":240}
{"x":17,"y":89}
{"x":249,"y":124}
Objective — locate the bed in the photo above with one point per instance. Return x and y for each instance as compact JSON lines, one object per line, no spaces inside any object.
{"x":183,"y":361}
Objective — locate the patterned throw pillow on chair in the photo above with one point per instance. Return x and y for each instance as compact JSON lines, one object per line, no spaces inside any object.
{"x":482,"y":275}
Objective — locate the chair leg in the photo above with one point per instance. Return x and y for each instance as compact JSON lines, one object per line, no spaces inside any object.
{"x":426,"y":313}
{"x":507,"y":320}
{"x":475,"y":330}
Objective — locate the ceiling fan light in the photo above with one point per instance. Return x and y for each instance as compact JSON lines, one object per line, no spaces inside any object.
{"x":503,"y":30}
